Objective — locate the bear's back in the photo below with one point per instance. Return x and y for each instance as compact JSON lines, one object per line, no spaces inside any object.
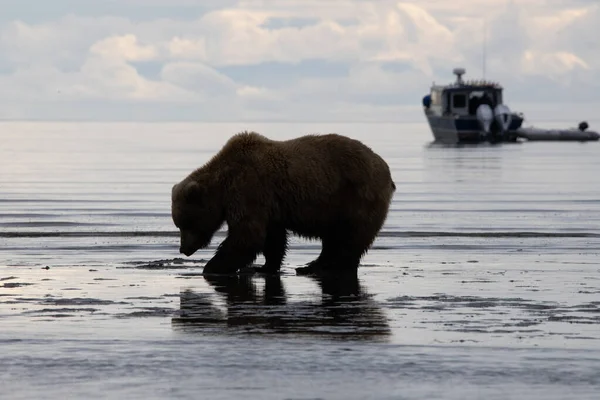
{"x":327,"y":160}
{"x":337,"y":157}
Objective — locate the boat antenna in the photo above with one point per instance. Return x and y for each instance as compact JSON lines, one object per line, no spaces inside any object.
{"x":484,"y":46}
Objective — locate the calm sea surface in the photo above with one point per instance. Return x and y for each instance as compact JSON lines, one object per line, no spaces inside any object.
{"x":485,"y":282}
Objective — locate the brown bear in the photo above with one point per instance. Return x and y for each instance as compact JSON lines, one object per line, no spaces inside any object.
{"x":326,"y":187}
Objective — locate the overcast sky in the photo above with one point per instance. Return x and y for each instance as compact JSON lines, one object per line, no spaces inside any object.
{"x":296,"y":60}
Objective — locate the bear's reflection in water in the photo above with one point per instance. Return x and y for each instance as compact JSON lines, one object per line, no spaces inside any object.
{"x":343,"y":310}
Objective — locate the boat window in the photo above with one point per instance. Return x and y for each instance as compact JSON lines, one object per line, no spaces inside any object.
{"x":459,"y":100}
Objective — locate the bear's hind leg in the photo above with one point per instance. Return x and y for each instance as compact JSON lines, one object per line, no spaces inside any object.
{"x":319,"y":264}
{"x":341,"y":253}
{"x":274,"y":249}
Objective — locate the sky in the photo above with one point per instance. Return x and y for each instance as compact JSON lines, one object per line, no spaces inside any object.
{"x":289,"y":60}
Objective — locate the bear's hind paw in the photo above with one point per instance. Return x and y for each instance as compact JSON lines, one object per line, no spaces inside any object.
{"x":308,"y":270}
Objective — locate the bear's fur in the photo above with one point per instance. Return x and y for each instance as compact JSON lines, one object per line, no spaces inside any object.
{"x":326,"y":187}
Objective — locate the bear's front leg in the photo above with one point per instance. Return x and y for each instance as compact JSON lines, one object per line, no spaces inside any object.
{"x":230,"y":258}
{"x":239,"y":249}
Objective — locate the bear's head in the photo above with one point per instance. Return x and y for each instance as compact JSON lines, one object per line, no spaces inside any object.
{"x":197,"y":214}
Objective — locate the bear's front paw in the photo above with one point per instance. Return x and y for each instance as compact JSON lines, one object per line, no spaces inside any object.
{"x":215,"y":268}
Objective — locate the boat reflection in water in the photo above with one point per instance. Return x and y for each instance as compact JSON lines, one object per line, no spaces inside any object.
{"x":342,"y":310}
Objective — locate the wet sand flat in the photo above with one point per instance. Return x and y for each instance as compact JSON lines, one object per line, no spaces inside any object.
{"x":485,"y":282}
{"x":148,"y":330}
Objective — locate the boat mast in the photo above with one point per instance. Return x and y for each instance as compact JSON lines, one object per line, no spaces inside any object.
{"x":484,"y":46}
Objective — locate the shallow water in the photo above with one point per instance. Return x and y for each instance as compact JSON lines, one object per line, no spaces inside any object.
{"x":483,"y":284}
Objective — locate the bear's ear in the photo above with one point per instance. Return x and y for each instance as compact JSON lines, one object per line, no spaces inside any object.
{"x":192,"y":192}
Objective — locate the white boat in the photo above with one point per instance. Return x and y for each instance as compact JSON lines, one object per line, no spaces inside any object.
{"x":470,"y":112}
{"x":474,"y":112}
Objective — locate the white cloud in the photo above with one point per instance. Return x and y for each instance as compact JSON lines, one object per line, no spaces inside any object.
{"x":554,"y":65}
{"x":125,"y":48}
{"x":110,"y":78}
{"x":104,"y":73}
{"x":187,"y":49}
{"x":63,"y":42}
{"x":290,"y":58}
{"x":239,"y":37}
{"x":199,"y":78}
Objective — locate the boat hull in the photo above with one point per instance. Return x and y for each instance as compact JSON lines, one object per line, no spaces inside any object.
{"x":448,"y":129}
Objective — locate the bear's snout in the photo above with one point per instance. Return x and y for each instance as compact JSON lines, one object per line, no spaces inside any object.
{"x":186,"y":251}
{"x":189,"y":243}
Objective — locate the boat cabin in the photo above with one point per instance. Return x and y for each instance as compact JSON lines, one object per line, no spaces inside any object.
{"x":462,"y":98}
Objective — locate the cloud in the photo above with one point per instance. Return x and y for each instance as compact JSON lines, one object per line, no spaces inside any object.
{"x":35,"y":11}
{"x":555,"y":65}
{"x":113,"y":79}
{"x":286,"y":59}
{"x":64,"y":43}
{"x":124,"y":48}
{"x":240,"y":37}
{"x":187,"y":49}
{"x":199,"y":78}
{"x":580,"y":35}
